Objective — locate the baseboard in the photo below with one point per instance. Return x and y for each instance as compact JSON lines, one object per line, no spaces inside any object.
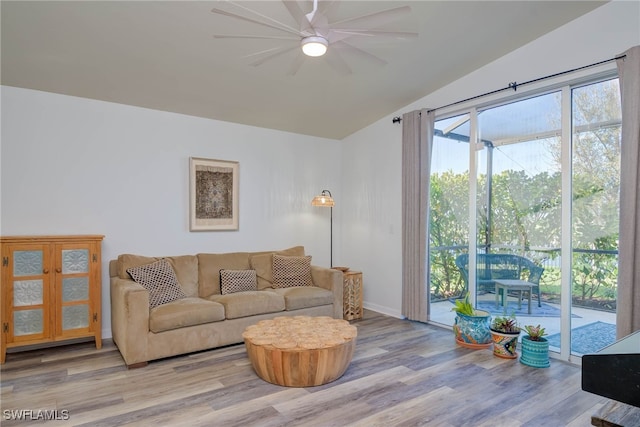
{"x":383,"y":310}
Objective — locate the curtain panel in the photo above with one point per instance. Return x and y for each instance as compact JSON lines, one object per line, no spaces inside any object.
{"x":628,"y":310}
{"x":417,"y":142}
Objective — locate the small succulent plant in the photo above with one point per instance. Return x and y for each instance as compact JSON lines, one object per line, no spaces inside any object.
{"x":505,"y":324}
{"x":535,"y":332}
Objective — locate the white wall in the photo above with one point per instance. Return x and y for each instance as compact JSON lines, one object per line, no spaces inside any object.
{"x":79,"y":166}
{"x":371,"y":200}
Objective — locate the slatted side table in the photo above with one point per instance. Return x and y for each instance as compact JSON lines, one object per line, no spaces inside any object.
{"x":352,"y":295}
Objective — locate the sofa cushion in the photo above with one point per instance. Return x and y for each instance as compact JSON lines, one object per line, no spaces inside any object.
{"x":250,"y":303}
{"x":262,"y":263}
{"x":209,"y":266}
{"x":160,"y":280}
{"x":185,"y":267}
{"x":127,"y":261}
{"x":291,"y":271}
{"x":232,"y":281}
{"x":184,"y":312}
{"x":304,"y":297}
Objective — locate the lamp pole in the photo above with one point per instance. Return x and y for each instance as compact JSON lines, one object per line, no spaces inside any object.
{"x":325,"y":199}
{"x":331,"y":238}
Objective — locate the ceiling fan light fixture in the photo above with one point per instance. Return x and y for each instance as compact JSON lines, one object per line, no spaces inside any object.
{"x":314,"y":45}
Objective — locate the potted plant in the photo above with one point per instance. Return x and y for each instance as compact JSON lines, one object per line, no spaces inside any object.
{"x":505,"y":332}
{"x":535,"y":348}
{"x":471,"y":326}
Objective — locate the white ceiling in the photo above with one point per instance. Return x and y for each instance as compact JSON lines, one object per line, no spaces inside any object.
{"x":162,"y":55}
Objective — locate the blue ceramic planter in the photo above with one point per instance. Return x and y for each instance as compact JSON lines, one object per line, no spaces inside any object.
{"x":535,"y":353}
{"x":473,"y":331}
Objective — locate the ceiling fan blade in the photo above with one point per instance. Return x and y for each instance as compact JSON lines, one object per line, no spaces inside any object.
{"x":262,"y":52}
{"x":254,"y":21}
{"x":378,"y":33}
{"x":359,"y":52}
{"x":248,"y":36}
{"x":335,"y":60}
{"x":296,"y":12}
{"x":342,"y":34}
{"x":376,"y":19}
{"x":297,"y":63}
{"x":282,"y":25}
{"x":327,"y":6}
{"x":278,"y":53}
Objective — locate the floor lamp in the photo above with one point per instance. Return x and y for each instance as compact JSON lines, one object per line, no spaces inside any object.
{"x":326,"y":200}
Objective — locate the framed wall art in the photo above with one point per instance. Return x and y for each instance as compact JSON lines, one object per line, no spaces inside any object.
{"x":213,"y":194}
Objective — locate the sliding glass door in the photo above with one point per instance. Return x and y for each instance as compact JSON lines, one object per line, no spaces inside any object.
{"x":518,"y":210}
{"x":596,"y":124}
{"x":537,"y":187}
{"x":449,"y":219}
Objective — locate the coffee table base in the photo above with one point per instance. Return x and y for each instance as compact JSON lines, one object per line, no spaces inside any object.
{"x":300,"y":351}
{"x":300,"y":368}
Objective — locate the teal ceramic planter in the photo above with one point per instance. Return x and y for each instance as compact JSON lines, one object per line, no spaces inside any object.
{"x":535,"y":353}
{"x":473,"y":331}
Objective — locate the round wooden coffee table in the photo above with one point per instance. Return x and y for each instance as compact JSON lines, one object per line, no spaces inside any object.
{"x":300,"y":351}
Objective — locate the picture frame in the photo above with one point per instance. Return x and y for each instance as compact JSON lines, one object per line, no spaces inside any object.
{"x":213,"y":194}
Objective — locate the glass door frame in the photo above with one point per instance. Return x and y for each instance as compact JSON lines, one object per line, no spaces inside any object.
{"x":566,"y":251}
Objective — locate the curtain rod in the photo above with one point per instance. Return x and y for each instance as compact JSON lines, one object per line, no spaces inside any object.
{"x":514,"y":85}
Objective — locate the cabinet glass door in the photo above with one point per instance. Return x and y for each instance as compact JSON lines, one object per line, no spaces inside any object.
{"x":73,"y":277}
{"x":28,"y":292}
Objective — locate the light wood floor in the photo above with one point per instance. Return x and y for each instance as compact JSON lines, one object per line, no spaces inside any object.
{"x":402,"y":374}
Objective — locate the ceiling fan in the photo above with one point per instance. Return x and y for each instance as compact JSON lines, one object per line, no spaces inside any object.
{"x":316,"y":36}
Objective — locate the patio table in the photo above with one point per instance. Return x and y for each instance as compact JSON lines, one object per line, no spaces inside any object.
{"x":513,"y":285}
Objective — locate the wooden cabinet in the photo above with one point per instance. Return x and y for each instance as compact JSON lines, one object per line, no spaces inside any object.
{"x":51,"y":289}
{"x":352,"y":295}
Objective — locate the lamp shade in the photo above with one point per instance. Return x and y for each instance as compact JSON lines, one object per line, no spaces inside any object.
{"x":324,"y":199}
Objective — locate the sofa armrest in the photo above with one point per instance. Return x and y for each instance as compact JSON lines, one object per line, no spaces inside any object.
{"x":130,"y":319}
{"x":332,"y":280}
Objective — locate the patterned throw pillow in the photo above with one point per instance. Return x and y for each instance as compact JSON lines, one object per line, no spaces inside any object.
{"x":289,"y":271}
{"x":160,"y":280}
{"x":232,"y":281}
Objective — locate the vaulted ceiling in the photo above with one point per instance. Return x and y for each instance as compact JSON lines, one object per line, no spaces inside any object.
{"x":162,"y":55}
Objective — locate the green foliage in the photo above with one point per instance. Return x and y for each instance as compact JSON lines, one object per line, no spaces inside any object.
{"x":594,"y":274}
{"x":535,"y":332}
{"x":505,"y":324}
{"x":449,"y":226}
{"x":463,"y":306}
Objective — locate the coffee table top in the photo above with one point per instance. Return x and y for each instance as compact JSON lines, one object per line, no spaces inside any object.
{"x":300,"y":332}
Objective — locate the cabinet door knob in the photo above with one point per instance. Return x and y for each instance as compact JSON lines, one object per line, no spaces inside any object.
{"x":58,"y":270}
{"x":45,"y":271}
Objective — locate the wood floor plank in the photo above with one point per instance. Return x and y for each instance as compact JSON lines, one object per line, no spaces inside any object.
{"x":402,"y":374}
{"x":420,"y":410}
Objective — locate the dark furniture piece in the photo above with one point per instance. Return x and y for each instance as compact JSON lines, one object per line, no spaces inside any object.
{"x":492,"y":267}
{"x":614,"y":371}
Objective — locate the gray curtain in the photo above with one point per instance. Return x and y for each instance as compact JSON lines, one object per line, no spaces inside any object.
{"x":628,"y":311}
{"x":417,"y":142}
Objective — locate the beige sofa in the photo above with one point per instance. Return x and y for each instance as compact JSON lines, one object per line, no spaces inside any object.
{"x":205,"y":318}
